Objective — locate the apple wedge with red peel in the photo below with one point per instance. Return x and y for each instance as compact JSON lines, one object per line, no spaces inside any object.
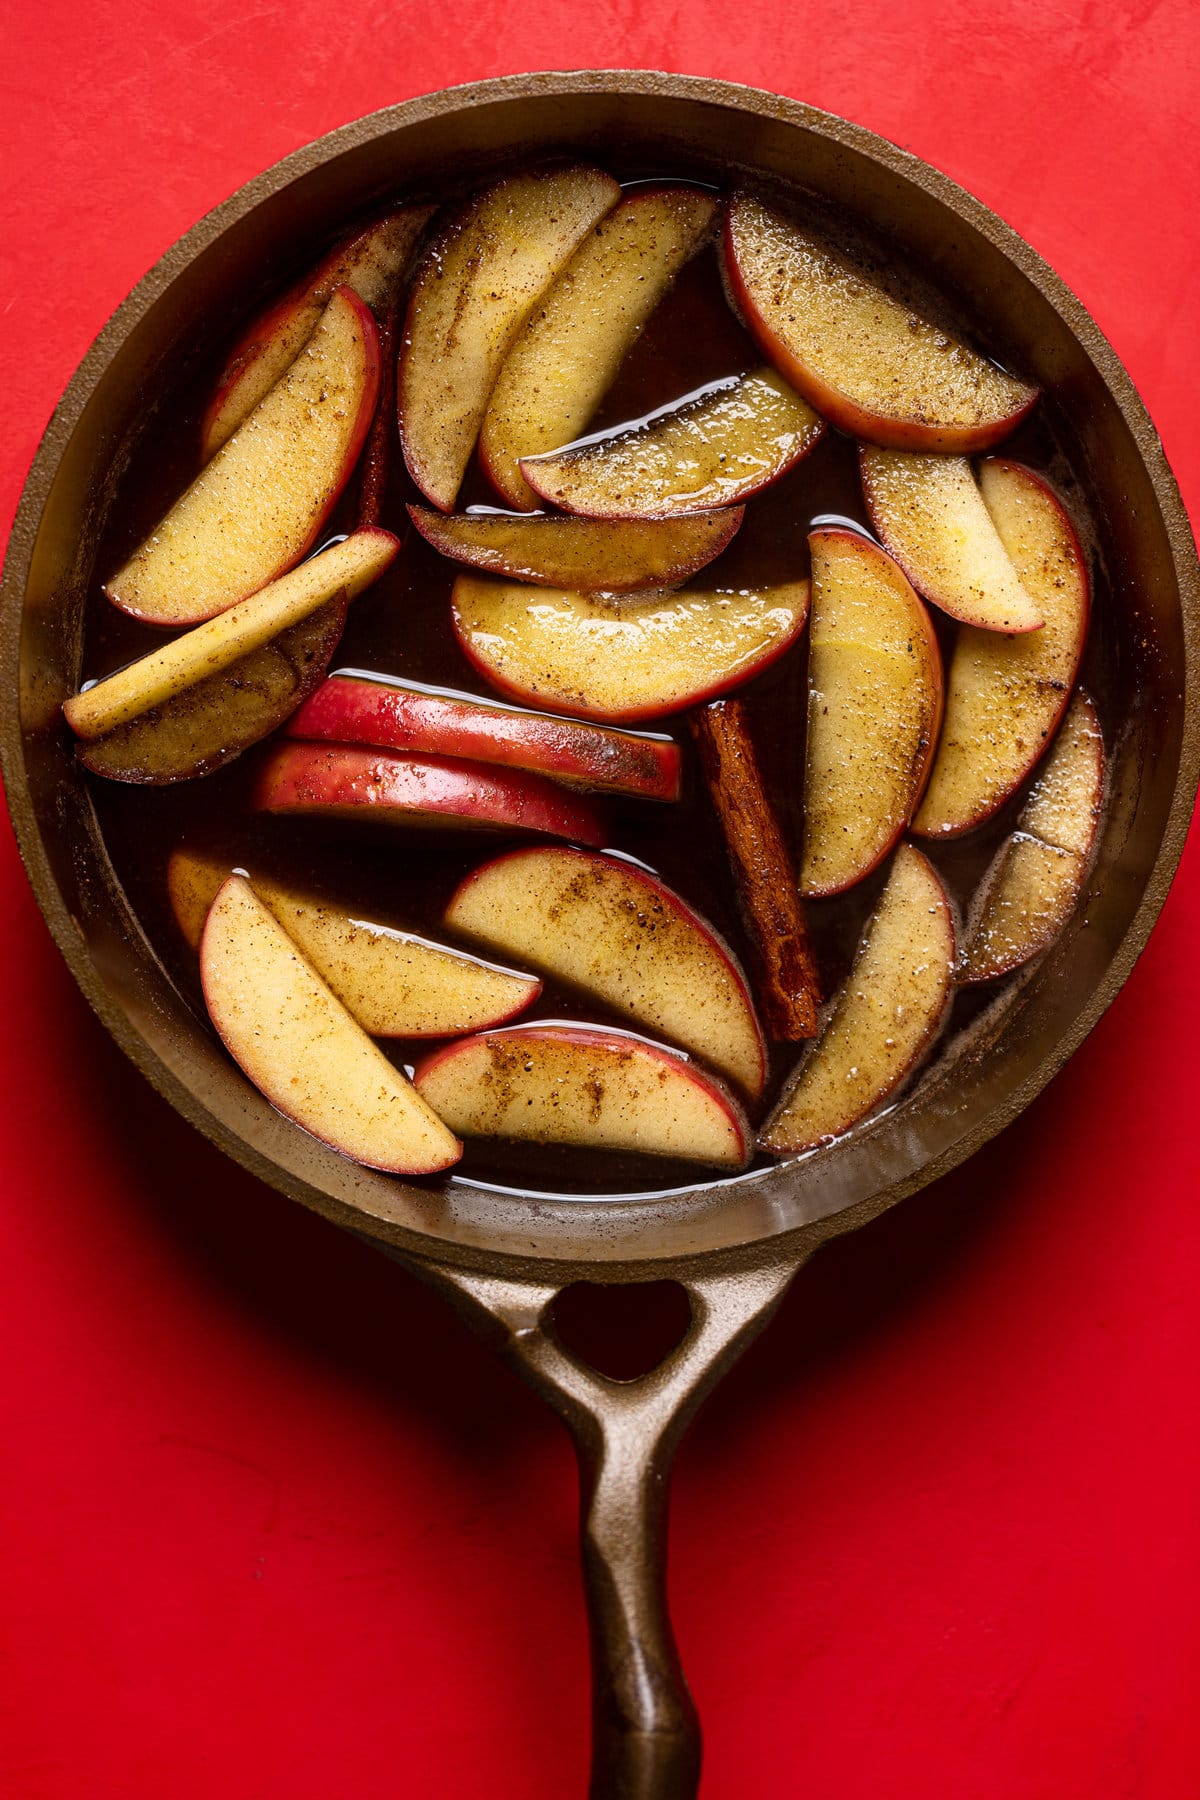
{"x":620,"y":934}
{"x":874,"y":704}
{"x":394,"y":983}
{"x":203,"y":727}
{"x":577,"y":1084}
{"x":473,"y":291}
{"x":346,"y":781}
{"x":1006,"y":695}
{"x":254,"y":510}
{"x":614,"y":556}
{"x":716,"y":448}
{"x":567,"y":356}
{"x":931,"y":517}
{"x":883,"y":1021}
{"x":1036,"y":878}
{"x":350,"y":709}
{"x":293,"y":1038}
{"x":622,"y":657}
{"x":213,"y":647}
{"x":867,"y":362}
{"x":372,"y":261}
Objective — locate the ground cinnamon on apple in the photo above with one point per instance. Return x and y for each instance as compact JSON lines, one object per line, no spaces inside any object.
{"x":789,"y":985}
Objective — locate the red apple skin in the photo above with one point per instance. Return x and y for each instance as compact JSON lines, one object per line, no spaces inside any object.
{"x":594,"y":1037}
{"x":674,"y":902}
{"x":277,"y":316}
{"x":632,"y":714}
{"x":351,"y":711}
{"x":839,"y":409}
{"x":346,"y":780}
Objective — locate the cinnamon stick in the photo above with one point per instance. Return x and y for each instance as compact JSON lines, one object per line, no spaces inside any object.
{"x":789,"y":985}
{"x":377,"y":457}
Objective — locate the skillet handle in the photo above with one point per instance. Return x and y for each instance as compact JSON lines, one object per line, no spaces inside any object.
{"x":645,"y":1732}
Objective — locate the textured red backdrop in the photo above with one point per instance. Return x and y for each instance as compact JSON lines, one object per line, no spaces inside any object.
{"x":273,"y":1523}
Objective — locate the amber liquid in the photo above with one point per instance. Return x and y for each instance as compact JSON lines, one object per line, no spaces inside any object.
{"x":402,"y":627}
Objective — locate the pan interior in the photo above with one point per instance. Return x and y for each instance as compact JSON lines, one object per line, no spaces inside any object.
{"x":178,"y":318}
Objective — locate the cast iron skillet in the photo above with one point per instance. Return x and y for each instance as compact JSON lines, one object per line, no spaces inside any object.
{"x":503,"y":1258}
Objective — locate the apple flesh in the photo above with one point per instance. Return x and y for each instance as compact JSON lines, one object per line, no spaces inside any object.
{"x":622,"y":657}
{"x":254,"y":510}
{"x":1035,"y":880}
{"x":215,"y":646}
{"x":713,"y":450}
{"x":931,"y":516}
{"x":346,"y":781}
{"x":394,"y":983}
{"x":623,"y":936}
{"x":885,"y":1018}
{"x":570,"y":1084}
{"x":568,"y":354}
{"x":1006,"y":695}
{"x":349,"y":709}
{"x":867,"y":362}
{"x":474,"y":290}
{"x":292,"y":1037}
{"x":203,"y":727}
{"x":372,"y":261}
{"x":614,"y":556}
{"x":874,"y":703}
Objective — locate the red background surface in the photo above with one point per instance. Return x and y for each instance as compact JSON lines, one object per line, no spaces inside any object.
{"x":274,"y":1523}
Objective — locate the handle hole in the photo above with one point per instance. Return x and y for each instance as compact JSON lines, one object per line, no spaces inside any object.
{"x":622,"y":1329}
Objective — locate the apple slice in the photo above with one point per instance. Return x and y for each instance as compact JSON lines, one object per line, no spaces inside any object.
{"x":1006,"y":695}
{"x":346,"y":567}
{"x":293,"y":1038}
{"x":885,"y":1018}
{"x":345,"y":781}
{"x":353,"y":709}
{"x":254,"y":510}
{"x":616,"y":556}
{"x":474,"y":290}
{"x":574,"y":1084}
{"x":622,"y":657}
{"x":568,"y":354}
{"x":868,"y":363}
{"x":721,"y":445}
{"x":203,"y":727}
{"x":930,"y":514}
{"x":624,"y":936}
{"x":874,"y":704}
{"x":1032,"y":886}
{"x":372,"y":261}
{"x":395,"y":984}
